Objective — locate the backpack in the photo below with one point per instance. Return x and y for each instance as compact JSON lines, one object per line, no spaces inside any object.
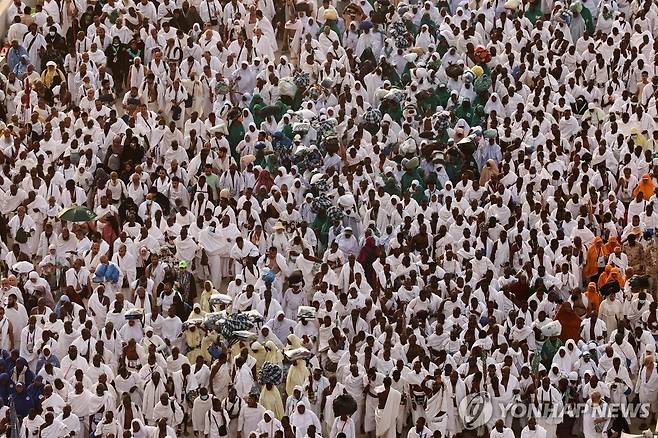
{"x":222,"y":430}
{"x":21,"y":235}
{"x":114,"y":162}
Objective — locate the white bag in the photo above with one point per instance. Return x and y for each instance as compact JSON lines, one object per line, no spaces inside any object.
{"x":552,"y":329}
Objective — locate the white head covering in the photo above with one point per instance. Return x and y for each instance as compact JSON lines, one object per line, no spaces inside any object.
{"x":494,"y":104}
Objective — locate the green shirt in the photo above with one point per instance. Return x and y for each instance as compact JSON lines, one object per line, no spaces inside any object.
{"x":235,"y":135}
{"x":213,"y":182}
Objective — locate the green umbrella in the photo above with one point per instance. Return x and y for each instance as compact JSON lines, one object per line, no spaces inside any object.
{"x":75,"y":213}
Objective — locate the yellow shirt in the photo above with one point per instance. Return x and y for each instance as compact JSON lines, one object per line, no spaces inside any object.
{"x":49,"y":74}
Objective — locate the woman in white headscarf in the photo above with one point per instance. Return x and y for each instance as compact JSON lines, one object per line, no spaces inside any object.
{"x":268,"y":425}
{"x":283,"y":177}
{"x":351,"y":36}
{"x":280,"y":326}
{"x":285,"y":120}
{"x":297,"y":397}
{"x":312,"y":27}
{"x":297,"y":189}
{"x":460,"y":16}
{"x":425,"y":38}
{"x":272,"y":345}
{"x":140,"y":430}
{"x":248,"y":144}
{"x":554,"y":374}
{"x":494,"y":104}
{"x":372,"y":81}
{"x":247,"y":118}
{"x":467,"y":92}
{"x":460,"y":130}
{"x":284,"y":69}
{"x":196,"y":31}
{"x":606,"y":19}
{"x":299,"y":26}
{"x":448,"y":190}
{"x":82,"y":178}
{"x":351,"y":101}
{"x":269,"y":125}
{"x":573,"y":352}
{"x":562,"y":361}
{"x":212,"y":243}
{"x":308,"y":110}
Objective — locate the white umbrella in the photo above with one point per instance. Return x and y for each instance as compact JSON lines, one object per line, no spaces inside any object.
{"x":23,"y":267}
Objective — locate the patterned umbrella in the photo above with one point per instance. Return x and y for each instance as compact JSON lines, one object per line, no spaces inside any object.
{"x":373,"y":116}
{"x":442,"y":121}
{"x":320,"y":203}
{"x":234,"y":323}
{"x":398,"y":31}
{"x":270,"y":373}
{"x":302,"y":79}
{"x":321,"y":186}
{"x":334,"y":213}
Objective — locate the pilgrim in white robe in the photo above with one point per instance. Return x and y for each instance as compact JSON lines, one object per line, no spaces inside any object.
{"x":343,"y":426}
{"x":4,"y":334}
{"x":339,"y":389}
{"x":200,"y":409}
{"x":152,"y":393}
{"x":593,"y":413}
{"x":214,"y":245}
{"x":233,"y":409}
{"x":301,"y":421}
{"x":538,"y":432}
{"x":436,"y":417}
{"x":243,"y":381}
{"x":83,"y":404}
{"x":423,"y":433}
{"x":386,"y":419}
{"x":171,"y":411}
{"x":55,"y":430}
{"x":17,"y":315}
{"x":54,"y":402}
{"x":249,"y":418}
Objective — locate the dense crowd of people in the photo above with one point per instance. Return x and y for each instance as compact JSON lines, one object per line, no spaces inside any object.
{"x":260,"y":219}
